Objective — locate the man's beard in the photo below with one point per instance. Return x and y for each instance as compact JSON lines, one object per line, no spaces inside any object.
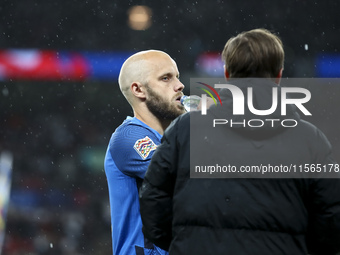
{"x":161,"y":109}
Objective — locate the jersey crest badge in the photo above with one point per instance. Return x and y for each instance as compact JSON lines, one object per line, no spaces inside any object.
{"x":144,"y":146}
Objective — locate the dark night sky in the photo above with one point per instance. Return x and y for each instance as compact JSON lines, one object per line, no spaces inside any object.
{"x":182,"y":28}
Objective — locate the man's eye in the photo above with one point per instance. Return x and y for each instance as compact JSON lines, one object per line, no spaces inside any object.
{"x":165,"y":78}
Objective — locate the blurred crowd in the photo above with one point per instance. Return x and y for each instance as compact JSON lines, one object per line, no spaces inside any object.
{"x":58,"y":133}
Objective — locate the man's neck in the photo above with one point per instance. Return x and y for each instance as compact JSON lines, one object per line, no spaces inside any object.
{"x":152,"y":121}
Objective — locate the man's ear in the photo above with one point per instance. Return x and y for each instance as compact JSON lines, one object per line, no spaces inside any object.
{"x":226,"y":73}
{"x":278,"y":77}
{"x":138,"y":90}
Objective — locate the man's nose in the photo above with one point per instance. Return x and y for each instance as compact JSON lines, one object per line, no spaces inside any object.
{"x":179,"y":86}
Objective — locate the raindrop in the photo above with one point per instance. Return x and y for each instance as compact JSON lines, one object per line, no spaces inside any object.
{"x":5,"y":92}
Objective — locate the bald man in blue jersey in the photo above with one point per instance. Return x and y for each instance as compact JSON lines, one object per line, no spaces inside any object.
{"x":149,"y":80}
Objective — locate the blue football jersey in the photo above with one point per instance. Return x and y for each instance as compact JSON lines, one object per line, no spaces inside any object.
{"x":127,"y":158}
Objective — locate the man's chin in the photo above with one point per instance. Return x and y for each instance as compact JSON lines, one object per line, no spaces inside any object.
{"x":181,"y":109}
{"x":175,"y":114}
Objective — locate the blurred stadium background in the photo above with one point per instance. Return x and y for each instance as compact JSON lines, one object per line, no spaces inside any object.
{"x":60,"y":100}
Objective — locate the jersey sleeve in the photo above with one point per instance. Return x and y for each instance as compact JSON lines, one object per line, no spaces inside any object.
{"x":131,"y":149}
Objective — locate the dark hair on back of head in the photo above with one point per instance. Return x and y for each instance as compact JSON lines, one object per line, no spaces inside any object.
{"x":255,"y":53}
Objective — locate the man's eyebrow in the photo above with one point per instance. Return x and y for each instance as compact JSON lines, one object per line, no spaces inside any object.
{"x":169,"y":74}
{"x":166,"y":74}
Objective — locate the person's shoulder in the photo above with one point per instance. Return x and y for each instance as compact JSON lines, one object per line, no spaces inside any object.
{"x":308,"y":127}
{"x":132,"y":133}
{"x":312,"y":133}
{"x":182,"y":120}
{"x":133,"y":141}
{"x":134,"y":128}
